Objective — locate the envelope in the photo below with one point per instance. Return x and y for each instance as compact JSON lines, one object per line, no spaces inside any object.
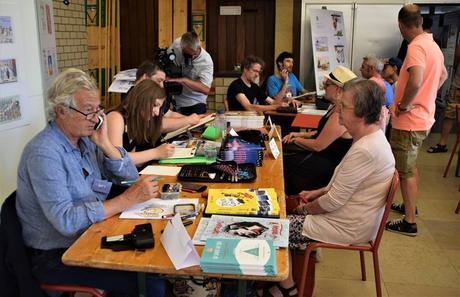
{"x":178,"y":244}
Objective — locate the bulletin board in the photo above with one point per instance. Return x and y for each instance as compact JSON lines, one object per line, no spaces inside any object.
{"x":328,"y":42}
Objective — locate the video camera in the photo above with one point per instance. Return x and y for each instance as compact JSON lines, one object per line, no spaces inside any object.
{"x":166,"y":62}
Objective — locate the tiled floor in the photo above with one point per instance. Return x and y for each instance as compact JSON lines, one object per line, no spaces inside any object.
{"x":425,"y":266}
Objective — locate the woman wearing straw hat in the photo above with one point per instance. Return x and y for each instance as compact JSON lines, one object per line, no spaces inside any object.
{"x":323,"y":149}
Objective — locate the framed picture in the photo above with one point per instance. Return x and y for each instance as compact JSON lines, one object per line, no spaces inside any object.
{"x":198,"y":24}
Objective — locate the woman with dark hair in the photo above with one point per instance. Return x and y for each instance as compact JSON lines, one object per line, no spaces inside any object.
{"x":135,"y":124}
{"x":348,"y":209}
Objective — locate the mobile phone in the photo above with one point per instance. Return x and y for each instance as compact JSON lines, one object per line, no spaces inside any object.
{"x":99,"y":122}
{"x":189,"y":187}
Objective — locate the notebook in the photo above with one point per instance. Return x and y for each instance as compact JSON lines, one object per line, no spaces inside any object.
{"x":177,"y":132}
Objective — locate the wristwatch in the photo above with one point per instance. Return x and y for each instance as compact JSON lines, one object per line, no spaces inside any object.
{"x":401,"y":109}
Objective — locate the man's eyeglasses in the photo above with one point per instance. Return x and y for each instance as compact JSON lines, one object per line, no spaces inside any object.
{"x":90,"y":115}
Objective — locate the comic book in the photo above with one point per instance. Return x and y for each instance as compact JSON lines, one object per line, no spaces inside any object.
{"x":247,"y":227}
{"x":261,"y":202}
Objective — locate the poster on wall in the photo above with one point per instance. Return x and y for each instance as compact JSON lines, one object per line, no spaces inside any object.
{"x":6,"y":30}
{"x":8,"y":71}
{"x":10,"y":109}
{"x":14,"y":109}
{"x":329,"y":46}
{"x":47,"y":42}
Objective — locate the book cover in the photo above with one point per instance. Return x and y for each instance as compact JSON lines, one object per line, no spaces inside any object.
{"x":261,"y":202}
{"x":237,"y":227}
{"x":239,"y":256}
{"x":197,"y":237}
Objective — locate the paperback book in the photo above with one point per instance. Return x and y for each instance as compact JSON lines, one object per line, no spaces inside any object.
{"x":239,"y":256}
{"x":261,"y":202}
{"x":237,"y":227}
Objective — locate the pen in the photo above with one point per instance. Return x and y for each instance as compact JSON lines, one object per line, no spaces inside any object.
{"x":192,"y":215}
{"x":167,"y":216}
{"x":130,"y":182}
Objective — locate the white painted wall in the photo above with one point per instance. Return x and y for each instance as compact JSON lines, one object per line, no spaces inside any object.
{"x":13,"y":141}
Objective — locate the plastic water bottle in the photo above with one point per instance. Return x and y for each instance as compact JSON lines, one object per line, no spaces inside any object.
{"x":220,"y":120}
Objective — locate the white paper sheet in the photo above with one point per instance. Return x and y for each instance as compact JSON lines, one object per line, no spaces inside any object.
{"x":178,"y":244}
{"x":161,"y":170}
{"x":155,"y":208}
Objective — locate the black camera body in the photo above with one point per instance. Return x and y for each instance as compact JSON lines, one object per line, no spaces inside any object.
{"x":166,"y":62}
{"x":140,"y":238}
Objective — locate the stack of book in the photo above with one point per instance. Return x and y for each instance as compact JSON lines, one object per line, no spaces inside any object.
{"x":245,"y":119}
{"x":239,"y":256}
{"x":234,"y":227}
{"x":261,"y":202}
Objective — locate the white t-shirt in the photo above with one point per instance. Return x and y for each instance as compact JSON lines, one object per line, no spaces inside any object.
{"x":202,"y":69}
{"x":357,"y":194}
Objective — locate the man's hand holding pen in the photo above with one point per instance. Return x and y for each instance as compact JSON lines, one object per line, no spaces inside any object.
{"x":143,"y":189}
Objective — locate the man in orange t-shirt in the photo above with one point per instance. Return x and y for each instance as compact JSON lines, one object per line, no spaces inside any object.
{"x":422,"y":74}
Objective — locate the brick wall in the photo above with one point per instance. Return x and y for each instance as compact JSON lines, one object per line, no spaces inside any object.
{"x":71,"y":34}
{"x":220,"y":86}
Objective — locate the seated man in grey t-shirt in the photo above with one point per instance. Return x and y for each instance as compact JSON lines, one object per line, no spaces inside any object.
{"x":197,"y":74}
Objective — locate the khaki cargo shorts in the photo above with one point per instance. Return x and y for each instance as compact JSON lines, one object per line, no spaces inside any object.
{"x":453,"y":97}
{"x":405,"y":146}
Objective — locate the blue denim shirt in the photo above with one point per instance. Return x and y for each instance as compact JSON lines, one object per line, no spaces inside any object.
{"x":55,"y":197}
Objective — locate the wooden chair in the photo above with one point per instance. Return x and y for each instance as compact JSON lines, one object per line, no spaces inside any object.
{"x":457,"y":141}
{"x":372,"y":247}
{"x":20,"y":279}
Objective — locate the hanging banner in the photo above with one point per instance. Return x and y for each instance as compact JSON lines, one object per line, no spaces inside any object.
{"x":328,"y":42}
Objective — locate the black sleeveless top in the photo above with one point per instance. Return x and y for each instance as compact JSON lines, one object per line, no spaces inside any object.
{"x":339,"y":147}
{"x":129,"y":144}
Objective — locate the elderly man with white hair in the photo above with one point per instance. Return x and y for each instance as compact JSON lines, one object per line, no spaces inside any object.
{"x":371,"y":68}
{"x":65,"y":176}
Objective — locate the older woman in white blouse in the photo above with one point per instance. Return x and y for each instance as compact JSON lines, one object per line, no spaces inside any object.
{"x":346,"y":210}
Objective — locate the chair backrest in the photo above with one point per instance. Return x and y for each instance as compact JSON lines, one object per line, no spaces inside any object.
{"x":386,"y":212}
{"x":15,"y":266}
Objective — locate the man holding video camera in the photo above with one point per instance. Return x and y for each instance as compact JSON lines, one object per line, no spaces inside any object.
{"x":197,"y":74}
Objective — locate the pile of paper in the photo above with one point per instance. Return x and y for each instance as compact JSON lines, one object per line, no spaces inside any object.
{"x":239,"y":256}
{"x":123,"y":81}
{"x":245,"y":119}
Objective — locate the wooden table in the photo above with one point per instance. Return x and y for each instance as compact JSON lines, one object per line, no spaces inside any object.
{"x":86,"y":251}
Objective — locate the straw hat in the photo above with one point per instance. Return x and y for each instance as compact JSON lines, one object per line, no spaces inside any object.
{"x":340,"y":75}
